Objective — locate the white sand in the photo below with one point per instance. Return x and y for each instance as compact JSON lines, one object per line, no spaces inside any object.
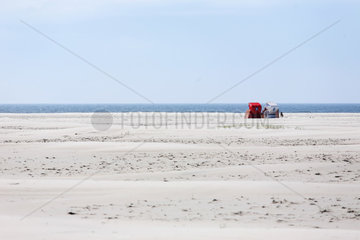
{"x":292,"y":178}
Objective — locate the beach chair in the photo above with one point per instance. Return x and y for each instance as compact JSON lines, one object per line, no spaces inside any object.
{"x":271,"y":110}
{"x":254,"y":110}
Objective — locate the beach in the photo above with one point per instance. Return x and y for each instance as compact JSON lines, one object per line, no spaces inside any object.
{"x":170,"y":176}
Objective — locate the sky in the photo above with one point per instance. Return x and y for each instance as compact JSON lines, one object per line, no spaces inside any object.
{"x":162,"y":51}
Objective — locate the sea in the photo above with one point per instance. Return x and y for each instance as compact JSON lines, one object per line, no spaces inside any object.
{"x":234,"y":108}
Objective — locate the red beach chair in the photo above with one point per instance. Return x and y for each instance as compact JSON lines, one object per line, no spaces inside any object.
{"x":254,"y":110}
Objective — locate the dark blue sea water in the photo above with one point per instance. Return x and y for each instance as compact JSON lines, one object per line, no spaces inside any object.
{"x":67,"y":108}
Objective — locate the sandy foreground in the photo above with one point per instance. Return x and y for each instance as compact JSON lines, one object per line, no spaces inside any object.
{"x":165,"y":177}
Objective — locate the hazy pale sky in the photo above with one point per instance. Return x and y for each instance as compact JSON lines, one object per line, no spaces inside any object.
{"x":179,"y":51}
